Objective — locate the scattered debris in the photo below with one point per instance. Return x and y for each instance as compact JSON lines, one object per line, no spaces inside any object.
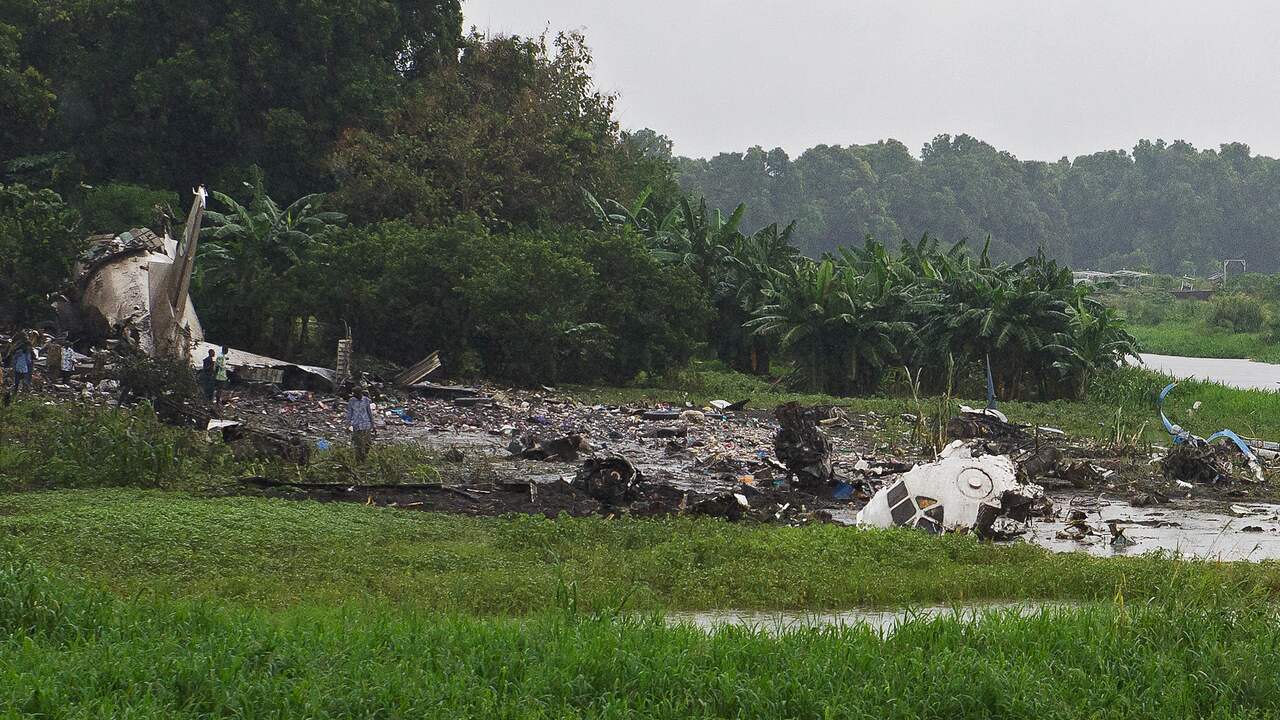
{"x":566,"y":448}
{"x":1184,"y":438}
{"x":1198,"y":464}
{"x":419,"y":371}
{"x":985,"y":425}
{"x":611,"y":479}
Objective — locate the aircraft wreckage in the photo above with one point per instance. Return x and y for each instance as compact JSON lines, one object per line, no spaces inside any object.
{"x":135,"y":287}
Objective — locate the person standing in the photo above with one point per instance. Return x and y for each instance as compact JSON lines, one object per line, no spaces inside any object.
{"x":53,"y":362}
{"x":221,"y":380}
{"x":360,"y":418}
{"x":23,"y":361}
{"x":207,"y":375}
{"x":68,"y":363}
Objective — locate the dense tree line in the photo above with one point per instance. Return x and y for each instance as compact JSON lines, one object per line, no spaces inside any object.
{"x":1164,"y":207}
{"x":173,"y":93}
{"x":379,"y":172}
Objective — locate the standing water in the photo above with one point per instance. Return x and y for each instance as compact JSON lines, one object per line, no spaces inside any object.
{"x":1243,"y":374}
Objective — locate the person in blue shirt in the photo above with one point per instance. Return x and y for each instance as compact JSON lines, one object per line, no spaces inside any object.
{"x":23,"y":362}
{"x":360,"y":418}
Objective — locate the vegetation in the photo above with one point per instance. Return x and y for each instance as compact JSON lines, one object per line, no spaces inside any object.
{"x":462,"y":164}
{"x":1240,"y":323}
{"x":250,"y":261}
{"x":68,"y":650}
{"x":68,"y":446}
{"x":224,"y":87}
{"x":40,"y":241}
{"x":1163,"y":206}
{"x":286,"y":553}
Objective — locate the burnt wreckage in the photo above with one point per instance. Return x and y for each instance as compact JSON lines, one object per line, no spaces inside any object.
{"x":135,"y":287}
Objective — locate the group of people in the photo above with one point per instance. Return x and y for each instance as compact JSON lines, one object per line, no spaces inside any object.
{"x":214,"y":380}
{"x":213,"y":376}
{"x":21,"y":361}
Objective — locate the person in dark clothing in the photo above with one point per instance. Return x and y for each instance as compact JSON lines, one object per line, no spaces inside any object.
{"x":207,"y":371}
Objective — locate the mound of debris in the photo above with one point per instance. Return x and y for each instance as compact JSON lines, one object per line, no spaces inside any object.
{"x":802,"y":447}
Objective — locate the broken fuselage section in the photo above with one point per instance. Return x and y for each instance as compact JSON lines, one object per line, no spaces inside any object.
{"x":958,"y":493}
{"x":135,"y":287}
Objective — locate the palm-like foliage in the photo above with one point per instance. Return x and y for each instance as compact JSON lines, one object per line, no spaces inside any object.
{"x":249,"y":253}
{"x":849,"y":317}
{"x":1095,"y":340}
{"x":840,"y":326}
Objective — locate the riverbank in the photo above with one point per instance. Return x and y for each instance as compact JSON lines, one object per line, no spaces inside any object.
{"x":1194,"y":339}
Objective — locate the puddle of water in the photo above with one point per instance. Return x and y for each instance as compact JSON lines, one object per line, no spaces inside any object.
{"x":1244,"y":374}
{"x":883,"y":621}
{"x":1200,"y":533}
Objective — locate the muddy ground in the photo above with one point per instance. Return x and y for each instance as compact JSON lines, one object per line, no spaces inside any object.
{"x":492,"y":453}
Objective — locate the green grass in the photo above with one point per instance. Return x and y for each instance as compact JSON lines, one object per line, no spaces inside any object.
{"x":68,"y":652}
{"x":283,"y":553}
{"x":1196,"y":340}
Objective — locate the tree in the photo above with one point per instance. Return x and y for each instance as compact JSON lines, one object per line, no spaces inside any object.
{"x":40,"y":241}
{"x":174,"y":93}
{"x":841,"y":327}
{"x":512,"y":133}
{"x":246,"y":262}
{"x":1152,"y":208}
{"x":1095,"y":340}
{"x":26,"y":98}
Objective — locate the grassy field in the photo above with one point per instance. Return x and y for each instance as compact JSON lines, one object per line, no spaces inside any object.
{"x":1195,"y":340}
{"x":131,"y":585}
{"x":69,"y":652}
{"x":280,"y":553}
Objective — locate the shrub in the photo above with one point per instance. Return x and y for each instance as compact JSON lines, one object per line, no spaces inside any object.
{"x":73,"y":445}
{"x":1238,"y":313}
{"x":40,"y":240}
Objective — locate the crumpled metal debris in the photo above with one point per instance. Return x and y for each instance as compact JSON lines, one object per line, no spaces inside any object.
{"x":610,"y":479}
{"x":801,"y":446}
{"x":955,"y":494}
{"x":1198,"y":465}
{"x":566,"y":447}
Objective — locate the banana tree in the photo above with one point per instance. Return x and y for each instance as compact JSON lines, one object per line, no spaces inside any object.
{"x":249,"y":254}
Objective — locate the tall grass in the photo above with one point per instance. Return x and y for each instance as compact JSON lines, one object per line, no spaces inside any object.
{"x":68,"y":652}
{"x":74,"y":445}
{"x":1197,"y":340}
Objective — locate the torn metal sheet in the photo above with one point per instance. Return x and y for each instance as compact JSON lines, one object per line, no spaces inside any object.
{"x":419,"y":371}
{"x":1182,"y":436}
{"x":250,"y":367}
{"x":957,"y":493}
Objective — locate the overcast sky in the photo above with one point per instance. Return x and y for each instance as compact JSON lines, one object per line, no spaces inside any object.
{"x":1041,"y":78}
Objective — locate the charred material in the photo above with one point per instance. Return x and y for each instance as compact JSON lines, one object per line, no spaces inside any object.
{"x":802,"y":447}
{"x":612,"y":480}
{"x":1198,"y":463}
{"x":988,"y":426}
{"x":566,"y":448}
